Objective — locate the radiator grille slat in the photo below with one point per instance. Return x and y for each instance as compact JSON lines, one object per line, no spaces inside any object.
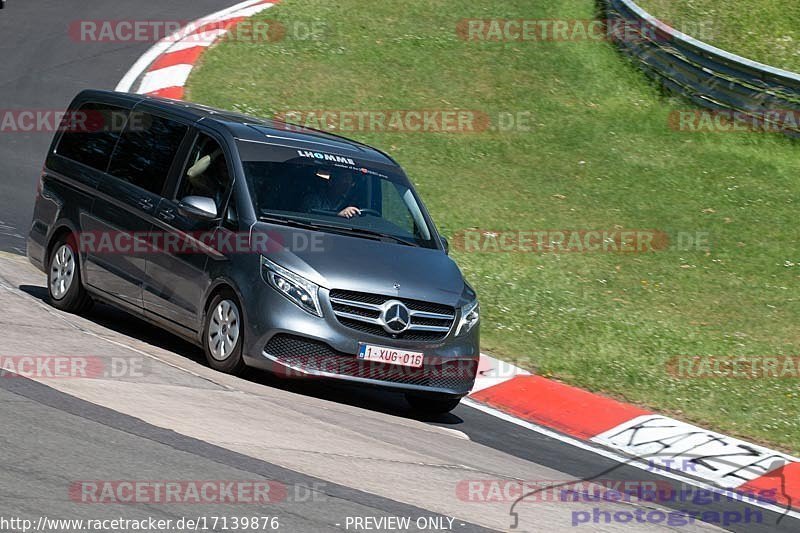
{"x":360,"y":311}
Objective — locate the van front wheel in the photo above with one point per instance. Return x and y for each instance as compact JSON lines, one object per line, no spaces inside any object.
{"x":222,"y":336}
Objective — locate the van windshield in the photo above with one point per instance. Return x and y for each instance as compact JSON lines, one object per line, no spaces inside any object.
{"x":355,"y":200}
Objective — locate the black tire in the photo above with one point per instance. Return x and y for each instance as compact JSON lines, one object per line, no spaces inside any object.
{"x":432,"y":405}
{"x":71,"y":297}
{"x":233,"y":362}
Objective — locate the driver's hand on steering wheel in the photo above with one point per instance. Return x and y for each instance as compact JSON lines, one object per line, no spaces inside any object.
{"x":349,"y":212}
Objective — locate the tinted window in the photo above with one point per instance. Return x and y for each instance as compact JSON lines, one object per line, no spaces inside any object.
{"x":146,"y":150}
{"x":342,"y":195}
{"x":206,"y":173}
{"x":394,"y":207}
{"x":90,"y":134}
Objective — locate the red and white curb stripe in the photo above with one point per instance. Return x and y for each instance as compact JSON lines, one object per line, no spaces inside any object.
{"x":581,"y":418}
{"x":651,"y":440}
{"x":165,"y":68}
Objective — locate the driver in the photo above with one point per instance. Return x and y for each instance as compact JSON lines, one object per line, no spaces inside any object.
{"x":332,"y":193}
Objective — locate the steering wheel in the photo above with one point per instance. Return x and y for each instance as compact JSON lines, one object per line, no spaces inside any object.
{"x":368,"y":211}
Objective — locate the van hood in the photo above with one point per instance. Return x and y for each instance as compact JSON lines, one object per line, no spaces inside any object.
{"x":345,"y":262}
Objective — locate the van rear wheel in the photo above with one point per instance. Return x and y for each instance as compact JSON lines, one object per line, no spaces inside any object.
{"x":223,"y":334}
{"x":64,"y":277}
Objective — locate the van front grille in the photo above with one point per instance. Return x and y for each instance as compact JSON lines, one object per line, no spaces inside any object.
{"x":361,"y":311}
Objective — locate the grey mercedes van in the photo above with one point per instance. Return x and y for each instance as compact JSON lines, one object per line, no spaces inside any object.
{"x":270,"y":245}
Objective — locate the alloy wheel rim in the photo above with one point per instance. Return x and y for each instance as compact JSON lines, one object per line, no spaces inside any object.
{"x":62,"y":272}
{"x":223,"y":330}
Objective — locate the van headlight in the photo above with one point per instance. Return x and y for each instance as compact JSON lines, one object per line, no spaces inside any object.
{"x":470,"y":316}
{"x":298,"y":289}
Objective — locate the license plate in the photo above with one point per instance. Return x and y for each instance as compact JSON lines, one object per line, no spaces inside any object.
{"x":392,"y":356}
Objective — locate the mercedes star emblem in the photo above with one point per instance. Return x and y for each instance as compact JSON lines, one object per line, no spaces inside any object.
{"x":395,"y":317}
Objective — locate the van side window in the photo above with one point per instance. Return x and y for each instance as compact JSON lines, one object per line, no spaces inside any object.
{"x":146,"y":150}
{"x":206,"y":173}
{"x":90,"y":134}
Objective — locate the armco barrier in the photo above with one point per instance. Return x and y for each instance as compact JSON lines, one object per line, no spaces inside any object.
{"x":708,"y":76}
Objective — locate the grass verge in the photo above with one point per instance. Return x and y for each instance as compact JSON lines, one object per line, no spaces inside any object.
{"x":769,"y":33}
{"x":598,"y":155}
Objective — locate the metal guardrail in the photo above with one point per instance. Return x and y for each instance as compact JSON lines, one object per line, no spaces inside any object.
{"x":710,"y":77}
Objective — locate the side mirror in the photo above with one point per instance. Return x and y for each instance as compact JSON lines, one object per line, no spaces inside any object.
{"x":445,"y":244}
{"x":199,"y":207}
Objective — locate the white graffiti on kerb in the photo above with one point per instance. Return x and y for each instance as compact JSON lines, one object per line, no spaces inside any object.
{"x":672,"y":444}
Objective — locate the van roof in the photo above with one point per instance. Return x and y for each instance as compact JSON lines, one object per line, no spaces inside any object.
{"x":249,"y":128}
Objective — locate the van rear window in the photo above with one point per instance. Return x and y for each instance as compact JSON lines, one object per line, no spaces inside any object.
{"x":146,"y":151}
{"x":91,"y":132}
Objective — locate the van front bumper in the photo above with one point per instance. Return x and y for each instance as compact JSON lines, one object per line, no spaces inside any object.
{"x":290,"y":342}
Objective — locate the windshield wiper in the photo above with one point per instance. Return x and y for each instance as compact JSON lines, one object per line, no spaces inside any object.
{"x":287,"y":222}
{"x":295,"y":223}
{"x":380,"y":235}
{"x":368,"y":233}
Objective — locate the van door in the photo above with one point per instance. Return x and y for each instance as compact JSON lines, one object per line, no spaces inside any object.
{"x":140,"y":167}
{"x":74,"y":170}
{"x":178,"y":278}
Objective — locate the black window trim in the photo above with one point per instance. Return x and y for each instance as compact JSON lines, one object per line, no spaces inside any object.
{"x":174,"y":179}
{"x":178,"y":155}
{"x":76,"y":106}
{"x":195,"y":131}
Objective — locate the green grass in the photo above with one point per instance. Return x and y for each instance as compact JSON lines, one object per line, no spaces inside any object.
{"x":599,"y":155}
{"x":764,"y":30}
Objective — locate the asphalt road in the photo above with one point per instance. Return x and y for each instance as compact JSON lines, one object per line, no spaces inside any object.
{"x":74,"y":438}
{"x":362,"y":452}
{"x":44,"y":65}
